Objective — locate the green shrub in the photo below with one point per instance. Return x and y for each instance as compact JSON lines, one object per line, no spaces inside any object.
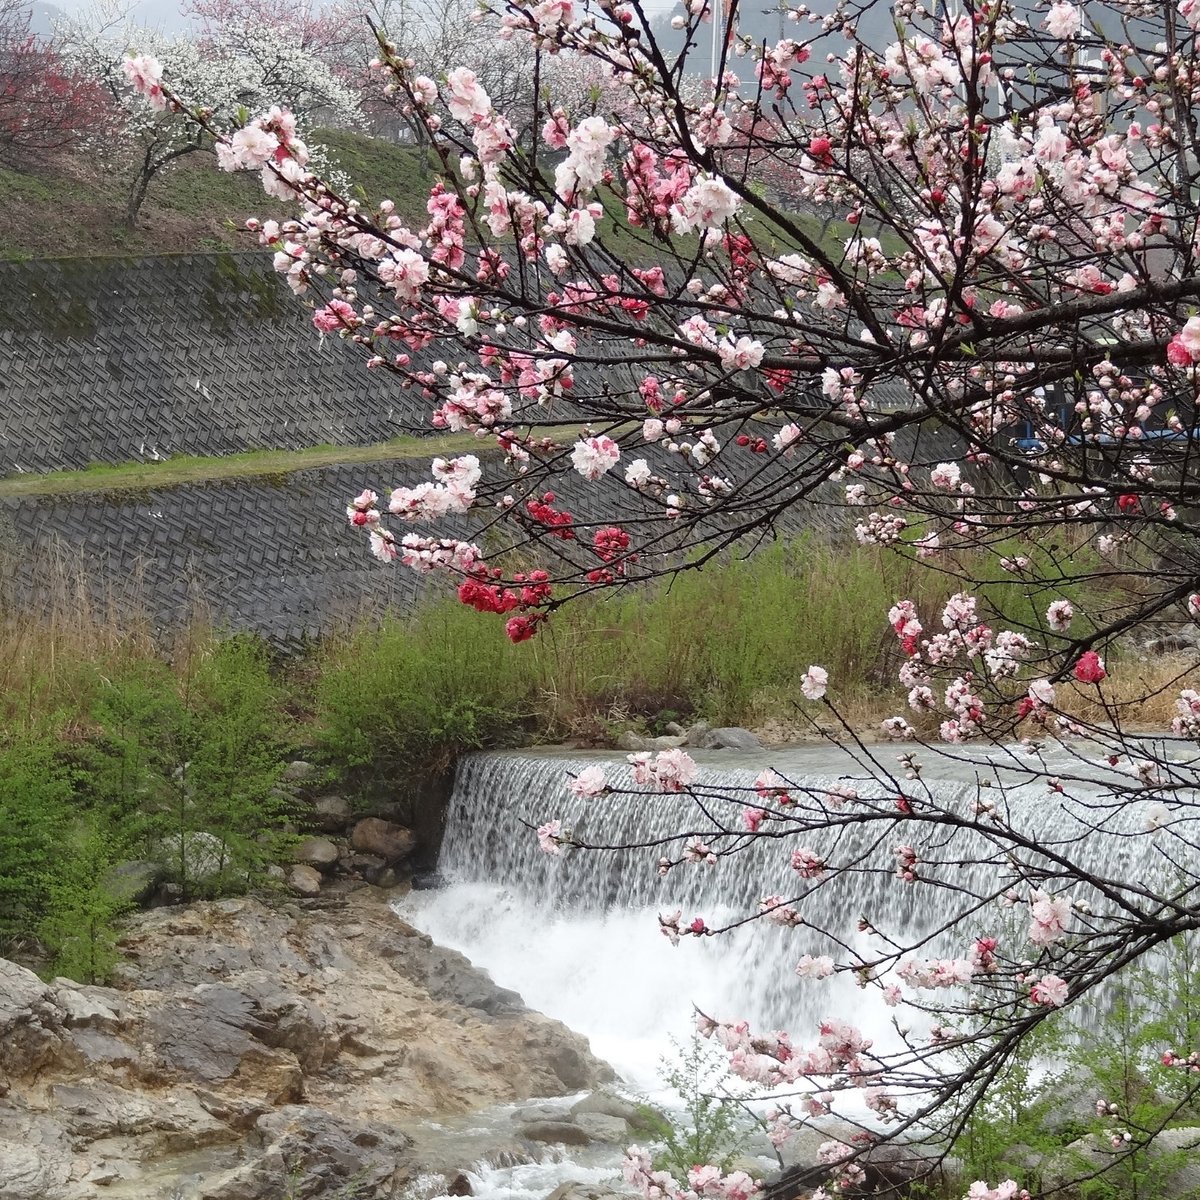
{"x":398,"y":702}
{"x":715,"y":1127}
{"x":35,"y":795}
{"x":79,"y":927}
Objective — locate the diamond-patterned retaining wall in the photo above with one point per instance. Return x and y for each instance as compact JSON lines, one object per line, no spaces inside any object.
{"x":120,"y":360}
{"x":107,"y":360}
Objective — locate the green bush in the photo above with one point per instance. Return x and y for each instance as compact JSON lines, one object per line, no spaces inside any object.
{"x":714,"y":1127}
{"x":35,"y":797}
{"x":397,"y":703}
{"x":79,"y":926}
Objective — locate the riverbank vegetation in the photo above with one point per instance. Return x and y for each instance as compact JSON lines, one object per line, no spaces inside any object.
{"x":119,"y":743}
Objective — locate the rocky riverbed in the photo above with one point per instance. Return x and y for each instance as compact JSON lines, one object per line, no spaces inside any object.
{"x":255,"y":1052}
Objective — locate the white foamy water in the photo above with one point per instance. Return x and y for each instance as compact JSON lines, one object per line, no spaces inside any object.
{"x":577,"y":934}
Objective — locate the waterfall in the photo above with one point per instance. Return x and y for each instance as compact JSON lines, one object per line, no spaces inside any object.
{"x":577,"y":934}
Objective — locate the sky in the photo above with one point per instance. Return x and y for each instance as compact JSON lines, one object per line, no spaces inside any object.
{"x":166,"y":15}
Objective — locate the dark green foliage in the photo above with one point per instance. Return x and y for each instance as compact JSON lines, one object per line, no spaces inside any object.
{"x":35,"y":793}
{"x":81,"y":909}
{"x":398,"y":703}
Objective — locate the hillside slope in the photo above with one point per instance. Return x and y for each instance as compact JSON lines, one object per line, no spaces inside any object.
{"x":72,"y":206}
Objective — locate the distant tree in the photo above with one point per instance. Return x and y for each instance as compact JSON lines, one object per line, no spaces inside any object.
{"x":242,"y":64}
{"x":45,"y":105}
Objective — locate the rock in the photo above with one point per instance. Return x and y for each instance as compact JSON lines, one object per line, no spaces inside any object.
{"x":574,"y":1190}
{"x":331,"y":814}
{"x":304,"y":881}
{"x":600,"y":1127}
{"x":36,"y":1156}
{"x":460,"y":1185}
{"x":290,"y":1022}
{"x":450,"y":977}
{"x":889,"y":1166}
{"x":674,"y":729}
{"x":88,"y":1007}
{"x":195,"y":857}
{"x":382,"y":877}
{"x":1167,"y":1169}
{"x":564,"y":1133}
{"x":1067,"y":1102}
{"x":609,"y":1105}
{"x":696,"y":734}
{"x":30,"y":1022}
{"x":316,"y":852}
{"x":373,"y":835}
{"x":133,"y":882}
{"x":1021,"y":1162}
{"x":428,"y":881}
{"x":1171,"y":643}
{"x":629,"y":740}
{"x":216,"y":1068}
{"x":542,"y":1112}
{"x":297,"y":771}
{"x":319,"y":1153}
{"x":731,"y":738}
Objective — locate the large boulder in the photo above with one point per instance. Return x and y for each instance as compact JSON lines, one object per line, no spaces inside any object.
{"x":36,"y":1157}
{"x":558,"y":1133}
{"x":305,"y":1151}
{"x":247,"y":1045}
{"x":331,"y":814}
{"x":304,"y":880}
{"x":316,"y":852}
{"x":726,"y":738}
{"x":600,"y":1127}
{"x":31,"y":1023}
{"x":610,"y":1105}
{"x":1167,"y":1168}
{"x":391,"y":842}
{"x":576,"y":1190}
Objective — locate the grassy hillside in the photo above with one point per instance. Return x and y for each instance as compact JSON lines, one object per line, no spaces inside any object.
{"x":72,"y":206}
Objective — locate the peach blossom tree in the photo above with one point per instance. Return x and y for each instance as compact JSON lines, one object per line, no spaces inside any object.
{"x":964,"y":325}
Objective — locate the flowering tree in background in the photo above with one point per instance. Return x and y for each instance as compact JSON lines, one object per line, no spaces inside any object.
{"x":241,"y":65}
{"x":44,"y":105}
{"x":970,"y":332}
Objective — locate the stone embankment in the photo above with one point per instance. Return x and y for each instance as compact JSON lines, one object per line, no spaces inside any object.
{"x":249,"y":1052}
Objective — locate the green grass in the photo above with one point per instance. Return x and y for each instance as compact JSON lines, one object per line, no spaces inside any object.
{"x":184,"y":468}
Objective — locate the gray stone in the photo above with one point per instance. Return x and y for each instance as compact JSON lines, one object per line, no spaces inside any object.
{"x":291,"y":1022}
{"x":373,"y":835}
{"x":542,"y":1112}
{"x":316,"y":852}
{"x":609,"y":1105}
{"x":30,"y":1022}
{"x":564,"y":1133}
{"x":382,"y":877}
{"x":88,"y":1008}
{"x":574,"y":1190}
{"x":629,"y":740}
{"x":134,"y":882}
{"x":450,"y":977}
{"x":1168,"y":1168}
{"x":331,"y":814}
{"x":304,"y":881}
{"x":196,"y":856}
{"x":730,"y":738}
{"x":35,"y":1155}
{"x":298,"y":771}
{"x":601,"y":1127}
